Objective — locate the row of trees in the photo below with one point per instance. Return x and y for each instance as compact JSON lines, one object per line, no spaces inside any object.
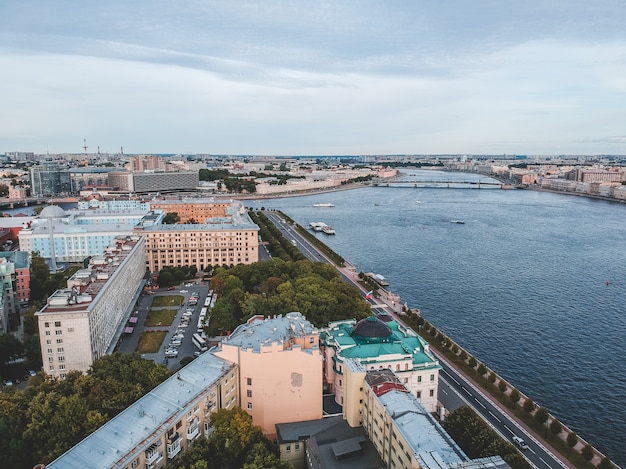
{"x":170,"y":275}
{"x":50,"y":416}
{"x":277,"y":287}
{"x":537,"y":417}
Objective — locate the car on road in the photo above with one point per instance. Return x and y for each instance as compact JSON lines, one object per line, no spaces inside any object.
{"x":184,"y":291}
{"x":171,"y":353}
{"x":189,"y":284}
{"x":519,"y":442}
{"x":7,"y":382}
{"x":171,"y":288}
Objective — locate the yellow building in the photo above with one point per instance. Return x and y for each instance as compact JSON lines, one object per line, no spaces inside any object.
{"x":280,"y":368}
{"x":196,"y":210}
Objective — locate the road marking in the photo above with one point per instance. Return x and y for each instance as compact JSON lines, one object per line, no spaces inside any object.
{"x":463,"y":388}
{"x":480,"y":403}
{"x":510,"y":431}
{"x":494,"y":416}
{"x":541,"y":459}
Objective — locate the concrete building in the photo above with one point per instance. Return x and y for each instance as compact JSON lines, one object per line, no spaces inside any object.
{"x":227,"y":240}
{"x":280,"y":367}
{"x":71,"y":236}
{"x":84,"y":178}
{"x":155,"y":429}
{"x":84,"y":321}
{"x":198,"y":210}
{"x":8,"y":300}
{"x":157,"y":181}
{"x":49,"y":179}
{"x":379,"y":342}
{"x":21,"y":266}
{"x":146,"y":163}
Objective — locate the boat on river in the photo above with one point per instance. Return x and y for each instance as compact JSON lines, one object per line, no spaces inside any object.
{"x":328,"y":230}
{"x":324,"y":205}
{"x":458,"y":222}
{"x":317,"y":225}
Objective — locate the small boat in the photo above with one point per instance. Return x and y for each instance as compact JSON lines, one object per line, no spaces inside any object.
{"x":458,"y":222}
{"x":317,"y":225}
{"x":328,"y":230}
{"x":324,"y":205}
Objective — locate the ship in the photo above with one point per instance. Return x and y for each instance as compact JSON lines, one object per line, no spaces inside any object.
{"x":328,"y":230}
{"x":458,"y":222}
{"x":317,"y":225}
{"x":324,"y":205}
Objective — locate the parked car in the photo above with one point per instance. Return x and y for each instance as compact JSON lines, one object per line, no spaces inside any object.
{"x":171,"y":353}
{"x":184,"y":291}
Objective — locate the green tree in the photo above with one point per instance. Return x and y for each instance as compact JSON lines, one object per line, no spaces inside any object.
{"x":4,"y":190}
{"x":605,"y":463}
{"x":10,"y":348}
{"x":514,"y":396}
{"x":502,"y":386}
{"x":572,"y":439}
{"x":529,"y":405}
{"x":542,"y":415}
{"x":556,"y":427}
{"x":39,"y":275}
{"x":171,"y":218}
{"x":482,"y":369}
{"x":588,"y":452}
{"x":492,"y":377}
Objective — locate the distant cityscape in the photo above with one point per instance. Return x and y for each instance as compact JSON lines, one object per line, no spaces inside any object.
{"x":136,"y":215}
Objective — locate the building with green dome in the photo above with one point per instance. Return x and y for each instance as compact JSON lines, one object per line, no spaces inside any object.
{"x":376,"y":343}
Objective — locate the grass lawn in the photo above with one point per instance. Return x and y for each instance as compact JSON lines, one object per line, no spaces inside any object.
{"x":149,"y":342}
{"x":167,"y":300}
{"x":160,"y":317}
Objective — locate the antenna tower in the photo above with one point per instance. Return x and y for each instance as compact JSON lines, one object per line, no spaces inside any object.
{"x":85,"y":145}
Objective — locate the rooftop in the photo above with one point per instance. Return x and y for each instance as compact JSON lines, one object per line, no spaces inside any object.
{"x":264,"y":331}
{"x":118,"y":439}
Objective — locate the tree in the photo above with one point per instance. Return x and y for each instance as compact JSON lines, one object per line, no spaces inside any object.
{"x":556,"y":427}
{"x":502,"y":386}
{"x":542,"y":415}
{"x":4,"y":190}
{"x":529,"y":405}
{"x":171,"y":218}
{"x":39,"y":275}
{"x":588,"y":452}
{"x":514,"y":396}
{"x":472,"y":362}
{"x":10,"y":348}
{"x":572,"y":439}
{"x":605,"y":463}
{"x":492,"y":377}
{"x":482,"y":369}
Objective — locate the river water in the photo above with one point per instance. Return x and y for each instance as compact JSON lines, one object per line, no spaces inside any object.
{"x":533,"y":283}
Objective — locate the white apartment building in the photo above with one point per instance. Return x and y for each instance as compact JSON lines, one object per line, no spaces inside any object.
{"x":84,"y":321}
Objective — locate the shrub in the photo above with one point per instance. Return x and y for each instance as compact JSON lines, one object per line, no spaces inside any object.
{"x":514,"y":396}
{"x":588,"y":452}
{"x":492,"y":377}
{"x":529,"y":406}
{"x":482,"y":369}
{"x":455,"y":349}
{"x":473,"y":362}
{"x":556,"y":427}
{"x":502,"y":386}
{"x":542,"y":415}
{"x":463,"y":355}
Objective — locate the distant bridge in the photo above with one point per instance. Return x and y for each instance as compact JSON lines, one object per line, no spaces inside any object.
{"x":440,"y":184}
{"x":14,"y":203}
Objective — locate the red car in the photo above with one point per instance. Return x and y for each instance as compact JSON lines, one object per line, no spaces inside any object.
{"x":171,"y":288}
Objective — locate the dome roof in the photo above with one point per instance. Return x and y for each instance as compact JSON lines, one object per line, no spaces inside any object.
{"x":52,"y":211}
{"x":371,"y":327}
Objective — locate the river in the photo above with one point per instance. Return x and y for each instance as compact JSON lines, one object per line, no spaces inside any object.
{"x":533,"y":283}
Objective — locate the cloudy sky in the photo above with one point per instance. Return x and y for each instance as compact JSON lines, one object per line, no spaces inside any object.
{"x":314,"y":78}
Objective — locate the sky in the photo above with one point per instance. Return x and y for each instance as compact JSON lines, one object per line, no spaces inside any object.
{"x":269,"y":77}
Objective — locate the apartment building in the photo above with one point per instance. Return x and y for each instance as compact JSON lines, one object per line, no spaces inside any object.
{"x":280,"y":367}
{"x":227,"y":240}
{"x":196,"y":210}
{"x":154,"y":430}
{"x":21,"y":268}
{"x":84,"y":321}
{"x":379,"y":342}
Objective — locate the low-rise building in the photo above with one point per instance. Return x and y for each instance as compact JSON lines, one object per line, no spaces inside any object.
{"x":379,"y":342}
{"x":155,"y":429}
{"x":279,"y":367}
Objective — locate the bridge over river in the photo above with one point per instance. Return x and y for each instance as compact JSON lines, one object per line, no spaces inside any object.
{"x":438,"y":184}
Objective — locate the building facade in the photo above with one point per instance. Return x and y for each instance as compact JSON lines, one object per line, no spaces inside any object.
{"x":280,"y":366}
{"x":154,"y":430}
{"x":379,"y":342}
{"x":49,"y":179}
{"x":228,"y":240}
{"x":198,"y":210}
{"x":84,"y":321}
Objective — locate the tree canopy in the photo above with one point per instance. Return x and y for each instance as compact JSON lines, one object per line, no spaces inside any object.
{"x":278,"y":287}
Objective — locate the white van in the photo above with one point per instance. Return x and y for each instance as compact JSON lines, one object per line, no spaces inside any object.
{"x":521,"y":444}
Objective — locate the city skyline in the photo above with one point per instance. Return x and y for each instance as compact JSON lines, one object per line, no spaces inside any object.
{"x":278,"y":78}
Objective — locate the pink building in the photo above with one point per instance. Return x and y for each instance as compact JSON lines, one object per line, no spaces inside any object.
{"x":280,"y":369}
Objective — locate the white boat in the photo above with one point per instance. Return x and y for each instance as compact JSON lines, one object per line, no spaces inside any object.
{"x":323,"y":205}
{"x":328,"y":230}
{"x":458,"y":222}
{"x":317,"y":225}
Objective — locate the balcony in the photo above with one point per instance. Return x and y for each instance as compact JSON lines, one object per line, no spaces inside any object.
{"x":153,"y":456}
{"x":173,"y":446}
{"x":193,"y":430}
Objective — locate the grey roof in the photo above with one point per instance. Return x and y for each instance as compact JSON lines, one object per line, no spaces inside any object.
{"x":19,"y":258}
{"x":298,"y":431}
{"x":279,"y":329}
{"x":429,"y":442}
{"x":131,"y":432}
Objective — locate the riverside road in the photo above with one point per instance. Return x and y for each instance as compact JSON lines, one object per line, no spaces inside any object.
{"x":454,"y":388}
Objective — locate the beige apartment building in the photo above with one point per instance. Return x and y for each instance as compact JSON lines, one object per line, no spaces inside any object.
{"x":224,"y":240}
{"x":82,"y":322}
{"x":154,"y":430}
{"x":280,"y":368}
{"x":197,"y":210}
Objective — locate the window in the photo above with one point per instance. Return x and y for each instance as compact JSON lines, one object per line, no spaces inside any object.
{"x":419,"y":379}
{"x":418,"y":394}
{"x":57,"y":323}
{"x":432,"y":377}
{"x":61,"y":367}
{"x":46,"y":324}
{"x":48,"y":342}
{"x":432,"y":393}
{"x":288,"y":448}
{"x":249,"y":381}
{"x":249,"y":405}
{"x":297,"y":447}
{"x":59,"y":349}
{"x":47,"y":332}
{"x":49,"y":350}
{"x":58,"y":332}
{"x":59,"y":341}
{"x":249,"y":393}
{"x":61,"y":358}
